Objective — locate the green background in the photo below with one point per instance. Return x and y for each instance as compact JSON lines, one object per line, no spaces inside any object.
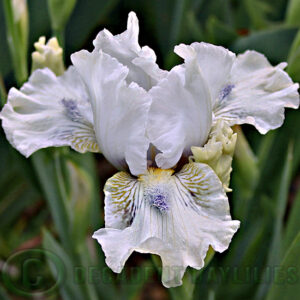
{"x":41,"y":208}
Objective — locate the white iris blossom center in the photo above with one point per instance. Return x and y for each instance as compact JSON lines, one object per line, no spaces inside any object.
{"x":116,"y":100}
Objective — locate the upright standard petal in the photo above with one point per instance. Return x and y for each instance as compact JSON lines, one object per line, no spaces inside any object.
{"x":180,"y":115}
{"x":215,"y":63}
{"x":246,"y":88}
{"x":260,"y":92}
{"x":176,"y":216}
{"x":49,"y":111}
{"x":120,"y":110}
{"x":141,"y":62}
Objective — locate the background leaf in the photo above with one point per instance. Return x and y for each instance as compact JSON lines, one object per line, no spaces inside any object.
{"x":55,"y":200}
{"x":286,"y":286}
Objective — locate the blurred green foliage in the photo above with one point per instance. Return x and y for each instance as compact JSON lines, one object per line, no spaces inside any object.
{"x":54,"y":199}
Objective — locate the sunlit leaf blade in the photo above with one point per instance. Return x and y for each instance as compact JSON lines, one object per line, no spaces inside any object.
{"x":16,"y":17}
{"x":294,"y":59}
{"x":293,"y":12}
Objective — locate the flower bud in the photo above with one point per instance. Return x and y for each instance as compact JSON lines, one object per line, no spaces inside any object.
{"x":21,"y":15}
{"x":48,"y":55}
{"x":16,"y":15}
{"x":218,"y":151}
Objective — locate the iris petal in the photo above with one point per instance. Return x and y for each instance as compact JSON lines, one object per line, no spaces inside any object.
{"x":197,"y":216}
{"x":260,"y":93}
{"x":120,"y":110}
{"x":215,"y":63}
{"x":246,"y":88}
{"x":141,"y":62}
{"x":180,"y":115}
{"x":49,"y":111}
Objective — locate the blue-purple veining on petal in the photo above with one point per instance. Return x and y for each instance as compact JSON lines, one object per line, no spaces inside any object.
{"x":158,"y":199}
{"x":72,"y":110}
{"x":226,"y":91}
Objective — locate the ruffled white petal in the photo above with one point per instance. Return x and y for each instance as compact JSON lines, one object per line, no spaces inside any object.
{"x":259,"y":95}
{"x":120,"y":194}
{"x":120,"y":110}
{"x":141,"y":62}
{"x":180,"y":115}
{"x":215,"y":63}
{"x":49,"y":111}
{"x":246,"y":88}
{"x":174,"y":216}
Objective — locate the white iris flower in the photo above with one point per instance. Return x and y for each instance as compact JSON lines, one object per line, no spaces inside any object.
{"x":215,"y":84}
{"x":145,"y":120}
